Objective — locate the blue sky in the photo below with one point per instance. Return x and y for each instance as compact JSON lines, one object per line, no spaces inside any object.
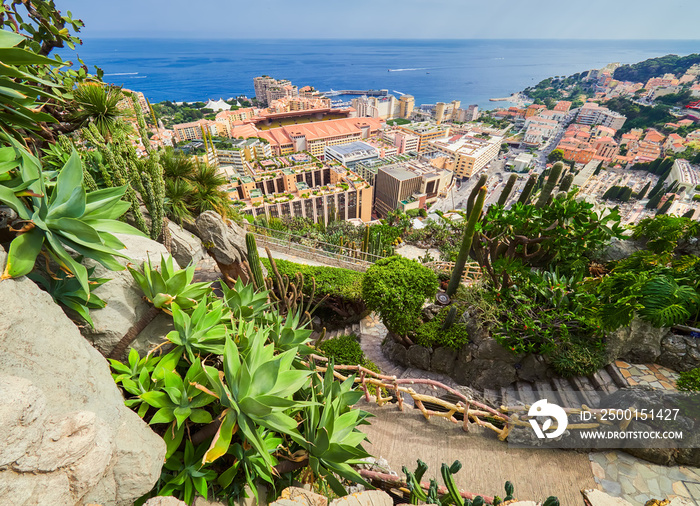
{"x":449,"y":19}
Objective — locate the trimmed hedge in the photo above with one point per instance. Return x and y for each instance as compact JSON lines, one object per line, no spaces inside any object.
{"x":331,"y":281}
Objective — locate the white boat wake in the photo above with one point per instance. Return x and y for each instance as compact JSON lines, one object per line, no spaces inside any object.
{"x":122,"y":74}
{"x":405,"y":70}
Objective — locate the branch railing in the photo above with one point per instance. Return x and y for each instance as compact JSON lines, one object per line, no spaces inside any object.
{"x":472,"y":411}
{"x":472,"y":270}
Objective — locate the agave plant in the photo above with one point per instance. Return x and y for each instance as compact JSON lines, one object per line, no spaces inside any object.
{"x":178,"y":401}
{"x":170,"y":285}
{"x":135,"y":377}
{"x":186,"y":474}
{"x":98,"y":103}
{"x":201,"y":332}
{"x":66,"y":291}
{"x":244,"y":302}
{"x":65,"y":216}
{"x":255,"y":390}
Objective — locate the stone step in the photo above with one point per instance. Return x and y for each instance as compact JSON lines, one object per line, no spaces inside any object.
{"x":567,"y":393}
{"x":586,"y":390}
{"x":605,"y":381}
{"x":543,"y":390}
{"x":525,"y":392}
{"x":616,"y":376}
{"x":491,"y":397}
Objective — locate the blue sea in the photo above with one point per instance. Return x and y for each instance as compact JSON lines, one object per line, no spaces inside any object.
{"x":472,"y":71}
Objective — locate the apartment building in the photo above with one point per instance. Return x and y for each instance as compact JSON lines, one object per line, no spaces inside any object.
{"x":471,"y":113}
{"x":468,"y":154}
{"x":193,"y":130}
{"x":410,"y":184}
{"x":406,"y":105}
{"x":426,"y":131}
{"x":594,"y":114}
{"x":403,"y":141}
{"x":244,"y":150}
{"x":384,"y":107}
{"x":268,"y":89}
{"x":318,"y":193}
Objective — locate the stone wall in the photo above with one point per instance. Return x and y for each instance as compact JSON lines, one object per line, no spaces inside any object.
{"x":483,"y":363}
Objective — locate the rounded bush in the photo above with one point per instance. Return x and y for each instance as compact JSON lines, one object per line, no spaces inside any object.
{"x":396,"y":288}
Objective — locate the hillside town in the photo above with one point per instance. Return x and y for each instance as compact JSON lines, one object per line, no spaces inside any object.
{"x":362,"y":151}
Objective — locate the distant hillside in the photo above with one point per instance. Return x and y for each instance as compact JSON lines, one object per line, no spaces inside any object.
{"x":656,"y":67}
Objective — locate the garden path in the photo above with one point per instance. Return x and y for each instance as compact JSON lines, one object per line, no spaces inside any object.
{"x":536,"y":474}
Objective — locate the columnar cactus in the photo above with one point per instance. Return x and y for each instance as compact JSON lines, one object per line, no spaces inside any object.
{"x":450,"y":318}
{"x":507,"y":190}
{"x":552,"y":180}
{"x":466,"y":246}
{"x":475,"y":191}
{"x":254,"y":262}
{"x":527,"y":190}
{"x":566,"y":182}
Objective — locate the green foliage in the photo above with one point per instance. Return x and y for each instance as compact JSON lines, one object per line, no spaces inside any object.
{"x":331,"y":281}
{"x":66,"y":291}
{"x":97,"y":104}
{"x":664,"y":232}
{"x":552,"y":181}
{"x":432,"y":334}
{"x":60,"y":214}
{"x":167,"y":286}
{"x":556,"y":155}
{"x":507,"y":190}
{"x":344,"y":350}
{"x":396,"y":288}
{"x":689,"y":381}
{"x":654,"y":67}
{"x":201,"y":333}
{"x":665,"y":302}
{"x":527,"y":190}
{"x":186,"y":475}
{"x":639,"y":116}
{"x":578,"y":358}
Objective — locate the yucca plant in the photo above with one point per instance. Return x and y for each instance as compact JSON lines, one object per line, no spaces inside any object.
{"x":66,"y":291}
{"x":62,"y":214}
{"x":97,"y":103}
{"x":170,"y":285}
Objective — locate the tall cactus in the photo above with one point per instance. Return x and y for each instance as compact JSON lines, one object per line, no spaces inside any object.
{"x":466,"y":246}
{"x":527,"y":190}
{"x":507,"y":190}
{"x":472,"y":196}
{"x":566,"y":182}
{"x":254,"y":262}
{"x":552,"y":180}
{"x":450,"y":318}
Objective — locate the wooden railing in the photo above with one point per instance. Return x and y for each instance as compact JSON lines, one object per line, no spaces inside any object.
{"x":472,"y":271}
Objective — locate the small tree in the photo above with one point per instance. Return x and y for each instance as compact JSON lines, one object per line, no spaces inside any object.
{"x":555,"y":156}
{"x":396,"y":288}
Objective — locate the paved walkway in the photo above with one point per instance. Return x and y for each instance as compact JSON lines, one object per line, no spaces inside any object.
{"x":616,"y":473}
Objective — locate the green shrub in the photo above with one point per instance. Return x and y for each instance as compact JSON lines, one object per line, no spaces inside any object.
{"x":396,"y":288}
{"x":431,"y":333}
{"x":577,"y":358}
{"x":346,"y":350}
{"x":331,"y":281}
{"x":689,"y":380}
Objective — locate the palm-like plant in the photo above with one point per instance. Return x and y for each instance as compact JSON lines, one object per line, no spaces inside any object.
{"x":176,"y":165}
{"x":177,"y":194}
{"x":207,"y":195}
{"x":98,"y":104}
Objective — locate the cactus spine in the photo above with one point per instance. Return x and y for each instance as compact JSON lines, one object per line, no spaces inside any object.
{"x":466,"y":246}
{"x":527,"y":190}
{"x":507,"y":190}
{"x":450,"y":318}
{"x":552,"y":180}
{"x":475,"y":191}
{"x":254,"y":262}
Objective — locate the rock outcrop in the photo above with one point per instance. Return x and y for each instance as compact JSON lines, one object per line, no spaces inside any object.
{"x":125,"y":303}
{"x":65,"y":435}
{"x":225,"y":243}
{"x":185,"y":247}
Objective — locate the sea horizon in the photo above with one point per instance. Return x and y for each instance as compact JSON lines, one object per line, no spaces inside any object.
{"x":469,"y":70}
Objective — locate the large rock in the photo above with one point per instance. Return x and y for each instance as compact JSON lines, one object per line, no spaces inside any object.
{"x":185,"y":247}
{"x":639,"y":343}
{"x":680,"y":353}
{"x":225,"y":243}
{"x":65,"y":435}
{"x":366,"y":498}
{"x":619,"y":249}
{"x":124,"y":298}
{"x":595,"y":497}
